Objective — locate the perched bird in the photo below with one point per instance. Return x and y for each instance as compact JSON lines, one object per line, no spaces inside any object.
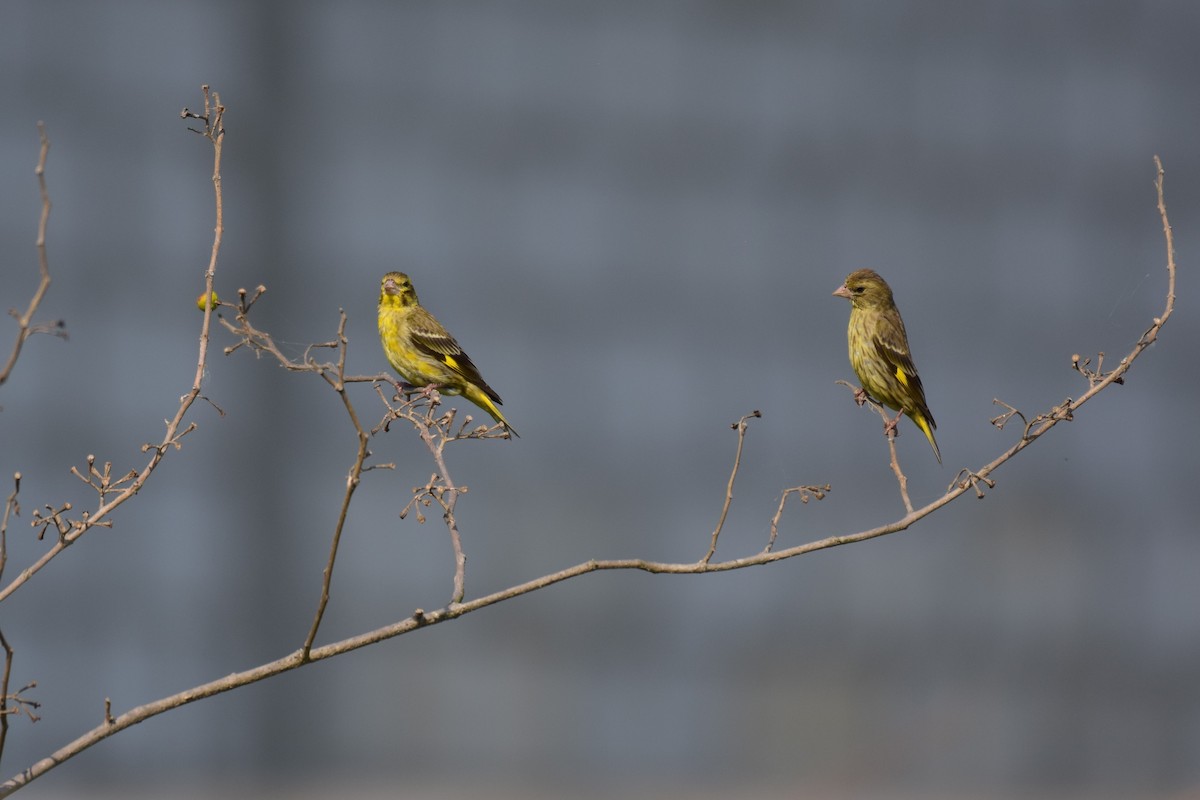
{"x":424,"y":353}
{"x":879,"y":351}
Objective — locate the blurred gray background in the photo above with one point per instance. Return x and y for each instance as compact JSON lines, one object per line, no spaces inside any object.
{"x":632,"y":215}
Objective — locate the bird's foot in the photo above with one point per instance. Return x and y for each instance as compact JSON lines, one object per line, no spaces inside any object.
{"x":860,"y":396}
{"x":890,"y":429}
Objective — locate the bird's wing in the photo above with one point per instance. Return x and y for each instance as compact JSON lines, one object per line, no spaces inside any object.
{"x":891,"y":344}
{"x":430,"y":338}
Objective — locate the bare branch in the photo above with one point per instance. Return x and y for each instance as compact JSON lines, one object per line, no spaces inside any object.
{"x":447,"y":498}
{"x":25,"y":325}
{"x":420,"y":412}
{"x":352,"y":481}
{"x":901,"y":479}
{"x":740,"y":427}
{"x":1003,"y":419}
{"x":805,"y":493}
{"x":13,"y":702}
{"x":4,"y":709}
{"x":69,"y":530}
{"x":11,"y":506}
{"x":436,"y":432}
{"x":890,"y":432}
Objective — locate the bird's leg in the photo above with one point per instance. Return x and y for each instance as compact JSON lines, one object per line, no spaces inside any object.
{"x":430,"y":390}
{"x":889,"y":428}
{"x":860,"y":396}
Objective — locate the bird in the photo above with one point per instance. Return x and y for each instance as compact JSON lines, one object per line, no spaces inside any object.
{"x":424,"y":352}
{"x":879,"y":352}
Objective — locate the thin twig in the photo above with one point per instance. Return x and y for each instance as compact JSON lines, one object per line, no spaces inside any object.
{"x":901,"y":478}
{"x":352,"y":481}
{"x":436,"y":433}
{"x":739,"y":426}
{"x":214,"y":117}
{"x":890,"y":431}
{"x":4,"y":709}
{"x":805,"y":493}
{"x":25,"y":325}
{"x":11,"y":506}
{"x":13,"y":702}
{"x":448,"y":500}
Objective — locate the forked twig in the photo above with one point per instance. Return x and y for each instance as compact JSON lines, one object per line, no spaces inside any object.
{"x":805,"y":493}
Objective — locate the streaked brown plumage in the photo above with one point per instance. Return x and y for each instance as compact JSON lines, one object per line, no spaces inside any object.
{"x":879,"y":351}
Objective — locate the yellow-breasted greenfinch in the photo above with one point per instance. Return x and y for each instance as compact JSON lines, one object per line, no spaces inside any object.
{"x":879,"y":351}
{"x":424,"y":352}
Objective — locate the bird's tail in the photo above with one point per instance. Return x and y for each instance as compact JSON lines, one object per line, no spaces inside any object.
{"x":927,"y":429}
{"x":480,"y":398}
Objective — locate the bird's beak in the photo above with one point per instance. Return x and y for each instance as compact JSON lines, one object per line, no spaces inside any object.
{"x":389,"y":286}
{"x":842,"y":291}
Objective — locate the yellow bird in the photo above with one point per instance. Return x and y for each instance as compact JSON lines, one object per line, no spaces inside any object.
{"x":879,"y":351}
{"x":424,"y":353}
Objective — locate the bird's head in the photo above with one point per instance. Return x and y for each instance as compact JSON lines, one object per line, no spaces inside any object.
{"x":865,"y":289}
{"x":397,"y":290}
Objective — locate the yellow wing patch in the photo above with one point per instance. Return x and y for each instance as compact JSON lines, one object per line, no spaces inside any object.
{"x":451,"y":363}
{"x":900,"y":376}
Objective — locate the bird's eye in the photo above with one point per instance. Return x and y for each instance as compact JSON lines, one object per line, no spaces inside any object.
{"x":858,"y":289}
